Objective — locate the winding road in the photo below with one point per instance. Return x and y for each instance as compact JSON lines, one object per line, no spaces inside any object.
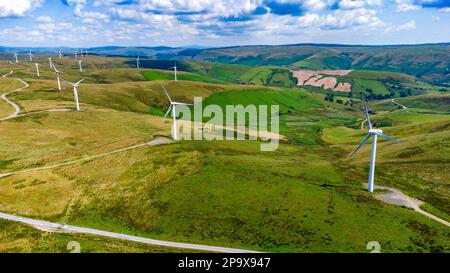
{"x":155,"y":142}
{"x":16,"y":107}
{"x":399,"y":105}
{"x":398,"y":198}
{"x":56,"y":227}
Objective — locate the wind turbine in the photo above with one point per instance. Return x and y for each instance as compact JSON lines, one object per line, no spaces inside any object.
{"x":175,"y":70}
{"x":81,"y":67}
{"x":37,"y":69}
{"x":138,"y":63}
{"x":60,"y":54}
{"x":76,"y":53}
{"x":50,"y":62}
{"x":75,"y":91}
{"x":374,"y":133}
{"x":172,"y":108}
{"x":58,"y":76}
{"x":15,"y":57}
{"x":30,"y":55}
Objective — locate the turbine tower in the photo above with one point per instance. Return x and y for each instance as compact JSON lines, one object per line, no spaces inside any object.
{"x":60,"y":54}
{"x":15,"y":57}
{"x":50,"y":62}
{"x":30,"y":55}
{"x":58,"y":76}
{"x":138,"y":63}
{"x":81,"y":67}
{"x":175,"y":70}
{"x":172,"y":108}
{"x":37,"y":70}
{"x":76,"y":53}
{"x":374,"y":133}
{"x":75,"y":91}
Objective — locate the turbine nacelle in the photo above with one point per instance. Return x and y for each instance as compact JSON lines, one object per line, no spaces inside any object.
{"x":375,"y":131}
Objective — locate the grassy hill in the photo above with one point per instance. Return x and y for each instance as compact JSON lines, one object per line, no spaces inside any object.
{"x":371,"y":84}
{"x":427,"y":62}
{"x":307,"y":196}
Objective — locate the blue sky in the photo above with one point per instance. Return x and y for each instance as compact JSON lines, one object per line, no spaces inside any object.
{"x":84,"y":23}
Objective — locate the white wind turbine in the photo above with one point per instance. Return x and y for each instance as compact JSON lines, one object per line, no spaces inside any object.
{"x":37,"y":70}
{"x":60,"y":54}
{"x":172,"y":108}
{"x":15,"y":57}
{"x":58,"y":77}
{"x":138,"y":63}
{"x":374,"y":133}
{"x":175,"y":70}
{"x":81,"y":67}
{"x":75,"y":91}
{"x":30,"y":55}
{"x":50,"y":62}
{"x":76,"y":53}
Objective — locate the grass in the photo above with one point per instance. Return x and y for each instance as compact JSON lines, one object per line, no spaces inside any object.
{"x":150,"y":192}
{"x":305,"y":197}
{"x":417,"y":165}
{"x":55,"y":137}
{"x":154,"y":75}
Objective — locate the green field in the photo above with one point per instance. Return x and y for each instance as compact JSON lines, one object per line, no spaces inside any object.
{"x":164,"y":75}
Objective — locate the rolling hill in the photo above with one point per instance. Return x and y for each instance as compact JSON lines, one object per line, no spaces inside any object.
{"x":307,"y":196}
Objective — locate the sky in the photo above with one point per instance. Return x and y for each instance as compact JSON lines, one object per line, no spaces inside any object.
{"x":215,"y":23}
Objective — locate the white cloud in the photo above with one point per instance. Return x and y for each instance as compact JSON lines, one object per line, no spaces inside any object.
{"x":351,"y":4}
{"x":411,"y":25}
{"x":44,"y":19}
{"x":407,"y":7}
{"x":341,"y":19}
{"x":10,"y":8}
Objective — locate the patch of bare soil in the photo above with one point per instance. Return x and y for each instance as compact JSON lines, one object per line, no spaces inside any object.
{"x":314,"y":78}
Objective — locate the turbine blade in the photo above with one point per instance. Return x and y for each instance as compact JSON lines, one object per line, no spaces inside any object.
{"x":81,"y":80}
{"x":181,"y":103}
{"x":387,"y":137}
{"x":68,"y":82}
{"x":362,"y":143}
{"x":168,"y":110}
{"x":167,"y":94}
{"x":366,"y":112}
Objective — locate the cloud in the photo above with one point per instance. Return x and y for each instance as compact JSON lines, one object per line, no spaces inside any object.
{"x":411,"y":5}
{"x":411,"y":25}
{"x":342,"y":19}
{"x":44,"y":19}
{"x":15,"y":8}
{"x":407,"y":7}
{"x":351,"y":4}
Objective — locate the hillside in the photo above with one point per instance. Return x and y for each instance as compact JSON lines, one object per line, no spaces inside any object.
{"x":427,"y":62}
{"x":307,"y":196}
